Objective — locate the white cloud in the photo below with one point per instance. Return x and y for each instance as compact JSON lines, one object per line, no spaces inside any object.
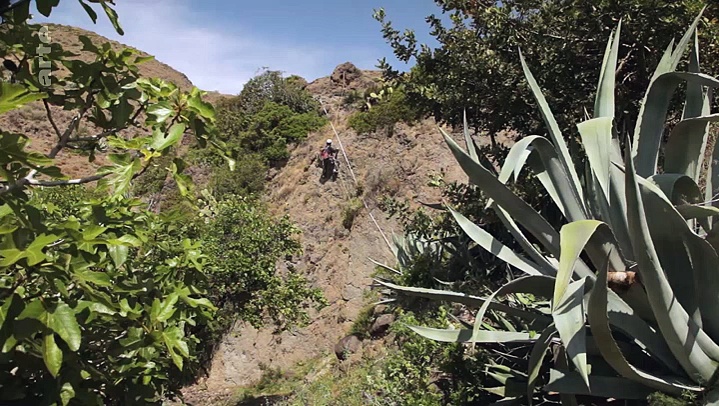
{"x":213,"y":57}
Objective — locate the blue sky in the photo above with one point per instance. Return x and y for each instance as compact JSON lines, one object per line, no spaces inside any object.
{"x":220,"y":44}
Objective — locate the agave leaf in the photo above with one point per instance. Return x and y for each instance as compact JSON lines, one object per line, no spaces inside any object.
{"x":496,"y":190}
{"x":536,"y":358}
{"x":693,"y":211}
{"x":650,"y":128}
{"x":687,"y":144}
{"x":688,"y":140}
{"x":590,"y":235}
{"x":569,"y":319}
{"x":677,"y":188}
{"x":573,"y":238}
{"x":678,"y":53}
{"x":493,"y":246}
{"x":553,"y":176}
{"x":597,"y":140}
{"x":680,"y":189}
{"x":604,"y":102}
{"x":623,"y":317}
{"x":469,"y":336}
{"x":513,"y":165}
{"x":468,"y":140}
{"x":599,"y":323}
{"x":537,"y":285}
{"x":678,"y":329}
{"x":554,"y":133}
{"x":546,"y":265}
{"x":469,"y":300}
{"x":602,"y":386}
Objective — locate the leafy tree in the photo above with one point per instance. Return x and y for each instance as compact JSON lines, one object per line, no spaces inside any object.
{"x":476,"y":65}
{"x":240,"y":235}
{"x":258,"y":125}
{"x":270,"y":86}
{"x":95,"y":304}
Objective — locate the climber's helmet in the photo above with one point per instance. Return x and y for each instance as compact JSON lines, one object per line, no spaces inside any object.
{"x":329,"y":142}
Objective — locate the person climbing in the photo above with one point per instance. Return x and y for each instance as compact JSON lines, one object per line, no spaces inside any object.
{"x":329,"y":159}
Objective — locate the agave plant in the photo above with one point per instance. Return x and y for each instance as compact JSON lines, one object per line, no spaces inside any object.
{"x":639,"y":312}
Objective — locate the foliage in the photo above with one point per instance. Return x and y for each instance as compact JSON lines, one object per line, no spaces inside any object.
{"x":247,"y":178}
{"x":384,"y":115}
{"x":98,"y":296}
{"x":363,"y":322}
{"x":270,"y":114}
{"x":635,"y":264}
{"x":408,"y":371}
{"x":244,"y":244}
{"x":474,"y":67}
{"x":350,"y":211}
{"x":270,"y":86}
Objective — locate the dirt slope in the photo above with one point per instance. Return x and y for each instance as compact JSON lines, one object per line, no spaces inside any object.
{"x":335,"y":259}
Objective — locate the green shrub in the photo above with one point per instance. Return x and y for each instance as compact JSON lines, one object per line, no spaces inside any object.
{"x":350,"y":212}
{"x":248,"y":178}
{"x":384,"y":115}
{"x":363,"y":322}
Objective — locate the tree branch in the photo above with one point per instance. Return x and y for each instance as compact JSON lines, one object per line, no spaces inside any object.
{"x":79,"y":181}
{"x":52,"y":121}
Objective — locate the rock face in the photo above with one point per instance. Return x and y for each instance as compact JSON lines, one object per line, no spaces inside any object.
{"x":381,"y":325}
{"x":345,"y":74}
{"x":347,"y":346}
{"x":335,"y":259}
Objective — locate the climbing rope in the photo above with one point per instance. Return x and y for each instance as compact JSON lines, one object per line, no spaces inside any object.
{"x":354,"y":178}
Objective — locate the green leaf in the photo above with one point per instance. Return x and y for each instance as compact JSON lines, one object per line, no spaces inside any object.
{"x":100,"y":279}
{"x":604,"y":102}
{"x":166,"y":308}
{"x":650,"y":129}
{"x":474,"y":301}
{"x":693,"y":211}
{"x":162,"y":111}
{"x":602,"y":386}
{"x":516,"y":207}
{"x":45,"y":6}
{"x":597,"y":141}
{"x":681,"y":332}
{"x":554,"y":133}
{"x":112,"y":15}
{"x":537,"y":285}
{"x":89,"y":11}
{"x":142,"y":59}
{"x":205,"y":109}
{"x":536,"y":358}
{"x":13,"y":96}
{"x":174,"y":339}
{"x":174,"y":135}
{"x":549,"y":171}
{"x":469,"y":336}
{"x":62,"y":320}
{"x":119,"y":254}
{"x":11,"y":256}
{"x":493,"y":246}
{"x":569,"y":319}
{"x":51,"y":354}
{"x":67,"y":393}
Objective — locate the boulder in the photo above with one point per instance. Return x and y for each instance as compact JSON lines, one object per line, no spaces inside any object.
{"x":381,"y":325}
{"x":345,"y":74}
{"x":347,"y":346}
